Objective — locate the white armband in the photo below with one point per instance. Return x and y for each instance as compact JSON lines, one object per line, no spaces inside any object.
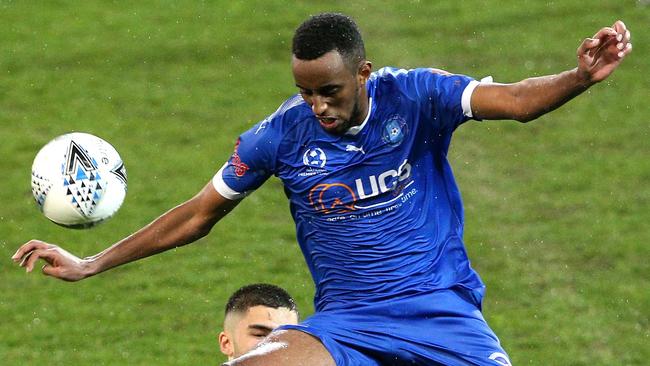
{"x":223,"y":189}
{"x":466,"y":98}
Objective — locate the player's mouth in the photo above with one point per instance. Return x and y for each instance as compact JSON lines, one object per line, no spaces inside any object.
{"x":328,"y":123}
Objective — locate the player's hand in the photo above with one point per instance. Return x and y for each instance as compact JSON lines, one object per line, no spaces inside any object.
{"x":600,"y":55}
{"x":60,"y":263}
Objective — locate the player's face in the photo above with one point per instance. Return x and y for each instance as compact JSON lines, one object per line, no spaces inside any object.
{"x":243,"y":331}
{"x":337,"y":95}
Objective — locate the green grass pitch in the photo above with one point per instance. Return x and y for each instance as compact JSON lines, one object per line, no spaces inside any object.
{"x":556,"y":210}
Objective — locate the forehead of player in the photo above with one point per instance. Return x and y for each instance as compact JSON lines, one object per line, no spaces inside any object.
{"x":322,"y":75}
{"x":260,"y":320}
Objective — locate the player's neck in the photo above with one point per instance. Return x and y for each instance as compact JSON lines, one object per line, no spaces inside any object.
{"x":363,"y":108}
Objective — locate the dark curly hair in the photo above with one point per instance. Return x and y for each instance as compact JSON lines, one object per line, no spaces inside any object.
{"x":326,"y":32}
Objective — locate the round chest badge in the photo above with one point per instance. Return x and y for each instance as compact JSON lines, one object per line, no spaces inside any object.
{"x":314,"y":157}
{"x":394,"y":130}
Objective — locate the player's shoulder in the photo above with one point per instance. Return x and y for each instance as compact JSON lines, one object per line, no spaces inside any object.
{"x":290,"y":113}
{"x":262,"y":141}
{"x":394,"y":73}
{"x":293,"y":111}
{"x":418,"y":80}
{"x":388,"y":73}
{"x":409,"y":82}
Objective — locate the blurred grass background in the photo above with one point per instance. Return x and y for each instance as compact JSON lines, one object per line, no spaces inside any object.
{"x":557,"y":211}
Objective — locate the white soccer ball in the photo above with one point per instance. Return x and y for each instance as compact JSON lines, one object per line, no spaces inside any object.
{"x":78,"y":180}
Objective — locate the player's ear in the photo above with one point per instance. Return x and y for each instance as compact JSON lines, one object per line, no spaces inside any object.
{"x":225,"y":344}
{"x":364,"y":72}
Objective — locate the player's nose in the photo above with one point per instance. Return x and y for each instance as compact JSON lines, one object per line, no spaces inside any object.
{"x":318,"y":106}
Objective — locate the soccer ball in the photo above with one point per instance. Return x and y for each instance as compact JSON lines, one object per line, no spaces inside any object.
{"x":78,"y":180}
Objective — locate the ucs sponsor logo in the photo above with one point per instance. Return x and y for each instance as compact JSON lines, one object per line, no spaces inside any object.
{"x":341,"y":198}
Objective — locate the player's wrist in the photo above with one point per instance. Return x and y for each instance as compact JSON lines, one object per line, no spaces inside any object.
{"x":89,"y":267}
{"x":583,"y":78}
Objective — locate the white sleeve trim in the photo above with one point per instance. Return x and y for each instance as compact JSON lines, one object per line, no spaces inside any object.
{"x":223,"y":189}
{"x":466,"y":98}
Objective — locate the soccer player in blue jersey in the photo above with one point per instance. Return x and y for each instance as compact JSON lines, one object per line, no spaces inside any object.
{"x":362,"y":156}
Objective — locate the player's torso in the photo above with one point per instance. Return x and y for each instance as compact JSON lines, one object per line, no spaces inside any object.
{"x":377,"y":213}
{"x":348,"y":177}
{"x":374,"y":206}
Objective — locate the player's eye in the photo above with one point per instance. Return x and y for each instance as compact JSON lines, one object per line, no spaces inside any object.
{"x":328,"y":92}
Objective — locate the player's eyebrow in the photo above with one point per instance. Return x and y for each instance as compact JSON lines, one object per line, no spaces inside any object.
{"x":260,"y":327}
{"x":322,"y":89}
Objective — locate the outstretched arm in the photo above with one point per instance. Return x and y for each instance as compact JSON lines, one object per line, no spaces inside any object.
{"x":179,"y":226}
{"x":528,"y":99}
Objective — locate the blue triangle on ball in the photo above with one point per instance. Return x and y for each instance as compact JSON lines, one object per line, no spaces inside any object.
{"x":81,"y":174}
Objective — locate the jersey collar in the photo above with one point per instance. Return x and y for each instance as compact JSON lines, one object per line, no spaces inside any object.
{"x":354,"y":130}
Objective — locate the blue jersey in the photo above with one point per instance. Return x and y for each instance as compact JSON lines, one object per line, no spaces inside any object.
{"x":377,"y":211}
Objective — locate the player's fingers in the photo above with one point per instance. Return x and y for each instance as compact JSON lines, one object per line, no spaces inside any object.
{"x":605,"y":32}
{"x":50,"y":270}
{"x":625,"y":51}
{"x":622,"y":35}
{"x":588,"y":44}
{"x":47,"y":255}
{"x":619,"y":27}
{"x":623,"y":38}
{"x":30,"y":259}
{"x":25,"y":258}
{"x":28,"y":247}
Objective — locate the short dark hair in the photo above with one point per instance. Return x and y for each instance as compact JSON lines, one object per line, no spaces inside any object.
{"x":326,"y":32}
{"x":260,"y":294}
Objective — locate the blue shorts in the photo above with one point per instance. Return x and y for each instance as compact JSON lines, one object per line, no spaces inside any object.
{"x":441,"y":327}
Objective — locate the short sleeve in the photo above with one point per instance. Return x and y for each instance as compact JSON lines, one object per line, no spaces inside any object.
{"x":251,"y":163}
{"x":448,"y":96}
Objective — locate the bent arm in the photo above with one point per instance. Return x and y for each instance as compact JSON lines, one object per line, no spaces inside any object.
{"x":528,"y":99}
{"x":179,"y":226}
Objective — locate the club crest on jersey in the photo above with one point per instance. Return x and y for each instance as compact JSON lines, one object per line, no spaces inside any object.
{"x":394,"y":130}
{"x":239,"y":167}
{"x":314,"y":157}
